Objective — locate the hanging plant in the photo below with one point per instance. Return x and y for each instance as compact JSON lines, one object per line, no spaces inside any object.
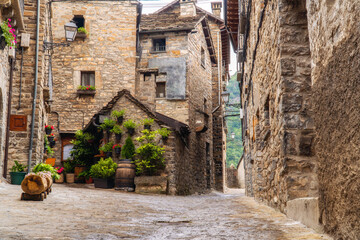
{"x":8,"y":33}
{"x":119,"y":115}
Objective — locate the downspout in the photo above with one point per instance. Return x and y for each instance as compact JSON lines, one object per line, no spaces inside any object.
{"x":219,"y":103}
{"x":35,"y":83}
{"x":12,"y":66}
{"x":21,"y":70}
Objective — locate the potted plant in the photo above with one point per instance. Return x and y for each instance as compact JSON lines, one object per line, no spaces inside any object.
{"x":17,"y":173}
{"x":117,"y":148}
{"x":69,"y":170}
{"x":164,"y":133}
{"x":7,"y":37}
{"x":49,"y":152}
{"x":107,"y":125}
{"x":107,"y":149}
{"x":60,"y":171}
{"x":51,"y":139}
{"x":86,"y":90}
{"x":128,"y":149}
{"x":117,"y":130}
{"x":130,"y":125}
{"x":48,"y":129}
{"x":86,"y":174}
{"x":119,"y":115}
{"x":147,"y":123}
{"x":81,"y":33}
{"x":103,"y":173}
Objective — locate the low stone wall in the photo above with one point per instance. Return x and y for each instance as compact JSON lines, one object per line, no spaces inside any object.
{"x":232,"y":180}
{"x":151,"y":184}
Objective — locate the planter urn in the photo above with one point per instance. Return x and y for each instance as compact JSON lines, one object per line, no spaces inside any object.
{"x":70,"y":177}
{"x":17,"y":177}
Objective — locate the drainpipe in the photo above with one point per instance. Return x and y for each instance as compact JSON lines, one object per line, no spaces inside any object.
{"x":35,"y":83}
{"x":12,"y":66}
{"x":21,"y":70}
{"x":219,"y":74}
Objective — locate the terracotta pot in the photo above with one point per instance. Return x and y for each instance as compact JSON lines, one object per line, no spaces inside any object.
{"x":61,"y":179}
{"x":89,"y":180}
{"x":50,"y":161}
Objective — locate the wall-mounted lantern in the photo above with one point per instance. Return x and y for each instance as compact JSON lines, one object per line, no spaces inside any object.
{"x":70,"y":31}
{"x":225,"y":96}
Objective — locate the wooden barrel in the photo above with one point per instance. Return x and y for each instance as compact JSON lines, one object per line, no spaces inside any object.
{"x":125,"y":174}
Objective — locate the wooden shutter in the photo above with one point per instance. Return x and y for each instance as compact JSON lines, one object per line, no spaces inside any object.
{"x":18,"y":122}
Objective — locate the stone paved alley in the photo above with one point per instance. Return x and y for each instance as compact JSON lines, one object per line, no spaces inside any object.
{"x":81,"y":213}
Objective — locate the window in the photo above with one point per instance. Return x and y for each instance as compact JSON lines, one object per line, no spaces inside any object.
{"x":161,"y":85}
{"x":87,"y":78}
{"x":159,"y":45}
{"x":79,"y":21}
{"x":202,"y":57}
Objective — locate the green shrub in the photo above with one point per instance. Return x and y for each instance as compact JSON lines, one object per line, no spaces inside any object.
{"x":116,"y":129}
{"x":149,"y":159}
{"x":108,"y":124}
{"x":128,"y":149}
{"x":164,"y":132}
{"x":18,"y":167}
{"x":82,"y":30}
{"x":43,"y":167}
{"x":83,"y":151}
{"x":69,"y":166}
{"x":49,"y":150}
{"x":148,"y":121}
{"x":107,"y":147}
{"x":129,"y":124}
{"x":85,"y":174}
{"x":104,"y":169}
{"x":117,"y":114}
{"x":148,"y":135}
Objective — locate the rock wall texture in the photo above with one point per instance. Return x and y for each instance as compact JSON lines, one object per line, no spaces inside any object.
{"x":4,"y":85}
{"x":279,"y":131}
{"x":334,"y":37}
{"x":232,"y":180}
{"x":20,"y":140}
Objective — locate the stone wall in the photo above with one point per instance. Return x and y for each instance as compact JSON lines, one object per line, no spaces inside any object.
{"x":279,"y":131}
{"x":232,"y":180}
{"x":20,"y":140}
{"x":4,"y":84}
{"x":334,"y":39}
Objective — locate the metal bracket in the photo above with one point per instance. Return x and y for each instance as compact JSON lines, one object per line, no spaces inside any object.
{"x":50,"y":45}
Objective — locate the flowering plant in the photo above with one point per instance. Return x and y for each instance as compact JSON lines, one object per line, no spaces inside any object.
{"x":117,"y":146}
{"x":49,"y":127}
{"x":59,"y":170}
{"x":8,"y":33}
{"x":87,"y":88}
{"x":51,"y":135}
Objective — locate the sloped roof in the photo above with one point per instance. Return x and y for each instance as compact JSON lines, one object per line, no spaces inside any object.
{"x":167,"y":22}
{"x":159,"y":118}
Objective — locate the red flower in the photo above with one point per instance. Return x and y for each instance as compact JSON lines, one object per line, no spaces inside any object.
{"x":116,"y":146}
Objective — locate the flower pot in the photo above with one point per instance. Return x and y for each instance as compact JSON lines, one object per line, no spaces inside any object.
{"x":70,"y":177}
{"x":48,"y":131}
{"x":89,"y":180}
{"x":50,"y":161}
{"x":104,"y":183}
{"x":120,"y":119}
{"x":131,"y":131}
{"x":77,"y":171}
{"x":148,"y":127}
{"x":17,"y":177}
{"x":61,"y":179}
{"x":117,"y":151}
{"x":108,"y":154}
{"x":52,"y":144}
{"x":50,"y":138}
{"x":118,"y":137}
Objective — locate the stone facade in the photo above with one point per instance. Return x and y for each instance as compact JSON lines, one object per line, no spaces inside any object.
{"x":108,"y":51}
{"x":334,"y":32}
{"x":295,"y":54}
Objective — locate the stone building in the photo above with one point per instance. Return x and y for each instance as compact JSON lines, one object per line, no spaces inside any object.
{"x":182,"y":69}
{"x":298,"y":71}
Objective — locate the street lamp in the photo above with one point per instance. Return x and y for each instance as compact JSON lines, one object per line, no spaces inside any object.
{"x":232,"y":135}
{"x":70,"y":31}
{"x":70,"y":34}
{"x":225,"y":96}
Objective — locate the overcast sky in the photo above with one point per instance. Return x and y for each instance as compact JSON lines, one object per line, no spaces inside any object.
{"x":150,"y":6}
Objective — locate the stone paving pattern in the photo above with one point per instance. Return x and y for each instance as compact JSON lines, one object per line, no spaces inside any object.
{"x":71,"y":212}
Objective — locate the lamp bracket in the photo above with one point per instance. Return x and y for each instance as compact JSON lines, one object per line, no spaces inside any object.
{"x":50,"y":45}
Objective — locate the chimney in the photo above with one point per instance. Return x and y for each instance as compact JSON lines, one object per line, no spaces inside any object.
{"x":187,"y":8}
{"x":216,"y":8}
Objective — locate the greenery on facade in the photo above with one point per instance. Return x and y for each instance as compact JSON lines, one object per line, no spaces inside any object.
{"x":86,"y":88}
{"x":164,"y":132}
{"x":83,"y":150}
{"x":149,"y":156}
{"x":108,"y":124}
{"x":116,"y":129}
{"x":129,"y":124}
{"x":104,"y":169}
{"x":8,"y":32}
{"x":106,"y":147}
{"x":82,"y":30}
{"x":117,"y":114}
{"x":18,"y":167}
{"x":148,"y":121}
{"x":49,"y":150}
{"x":128,"y":150}
{"x":234,"y":149}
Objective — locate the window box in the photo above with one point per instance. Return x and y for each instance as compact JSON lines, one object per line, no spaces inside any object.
{"x":81,"y":35}
{"x":86,"y":92}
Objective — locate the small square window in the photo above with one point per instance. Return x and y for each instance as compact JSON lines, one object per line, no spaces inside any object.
{"x":159,"y":45}
{"x":160,"y":89}
{"x":79,"y":21}
{"x":87,"y":78}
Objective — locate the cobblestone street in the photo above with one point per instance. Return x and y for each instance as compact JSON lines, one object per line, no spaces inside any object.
{"x":70,"y":212}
